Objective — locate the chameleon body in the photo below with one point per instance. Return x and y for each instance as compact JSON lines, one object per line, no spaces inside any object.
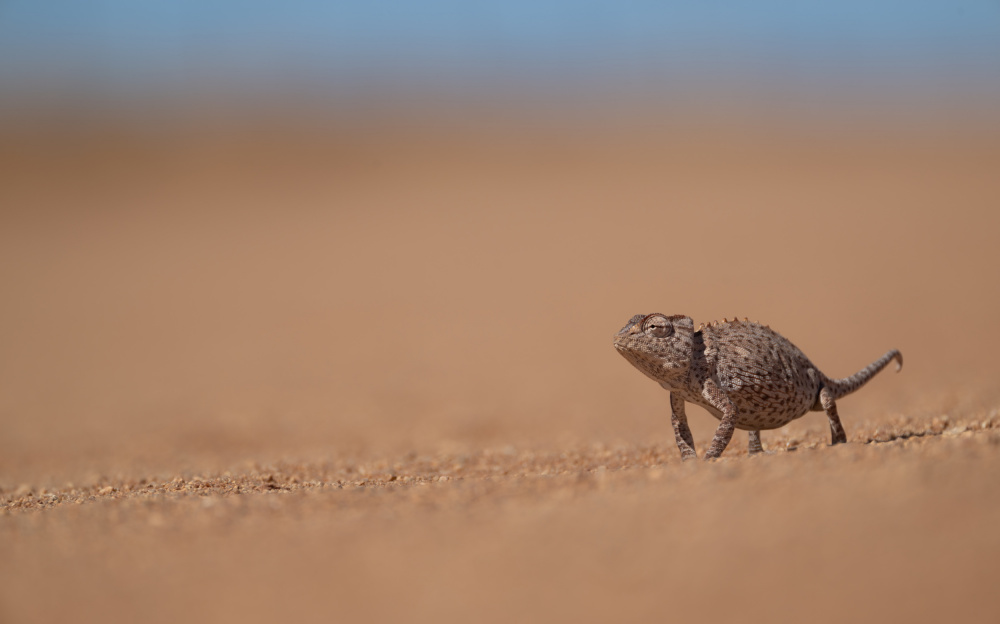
{"x":745,"y":374}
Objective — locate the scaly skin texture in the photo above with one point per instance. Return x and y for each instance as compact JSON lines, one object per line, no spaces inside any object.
{"x":745,"y":374}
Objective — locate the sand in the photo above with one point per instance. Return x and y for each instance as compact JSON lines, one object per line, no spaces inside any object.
{"x":298,"y":374}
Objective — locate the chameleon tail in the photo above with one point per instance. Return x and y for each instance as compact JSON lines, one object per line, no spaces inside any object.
{"x":847,"y":385}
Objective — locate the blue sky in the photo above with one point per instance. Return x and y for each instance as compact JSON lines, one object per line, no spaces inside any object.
{"x":118,"y":48}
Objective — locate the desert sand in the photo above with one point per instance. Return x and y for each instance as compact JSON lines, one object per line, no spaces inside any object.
{"x":364,"y":373}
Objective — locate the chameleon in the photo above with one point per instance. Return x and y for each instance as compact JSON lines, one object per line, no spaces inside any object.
{"x":745,"y":374}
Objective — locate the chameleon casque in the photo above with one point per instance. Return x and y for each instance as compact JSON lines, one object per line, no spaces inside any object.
{"x":745,"y":374}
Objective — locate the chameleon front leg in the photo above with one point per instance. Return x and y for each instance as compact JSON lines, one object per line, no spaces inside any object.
{"x":727,"y":425}
{"x":678,"y":418}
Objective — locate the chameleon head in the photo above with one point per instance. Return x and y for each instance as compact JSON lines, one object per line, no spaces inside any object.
{"x":658,"y":345}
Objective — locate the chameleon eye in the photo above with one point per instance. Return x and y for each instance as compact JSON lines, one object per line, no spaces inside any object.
{"x":658,"y":327}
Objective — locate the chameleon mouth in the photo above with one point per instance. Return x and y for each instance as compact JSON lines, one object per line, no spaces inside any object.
{"x":621,"y":344}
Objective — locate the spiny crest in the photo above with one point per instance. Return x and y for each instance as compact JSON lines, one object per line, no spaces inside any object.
{"x":735,"y":320}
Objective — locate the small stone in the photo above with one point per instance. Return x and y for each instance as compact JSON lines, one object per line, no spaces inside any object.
{"x":23,"y":490}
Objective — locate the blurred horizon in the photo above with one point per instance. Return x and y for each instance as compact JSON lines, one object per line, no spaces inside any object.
{"x":158,"y":60}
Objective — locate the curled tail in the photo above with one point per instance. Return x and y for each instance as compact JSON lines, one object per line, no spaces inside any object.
{"x":847,"y":385}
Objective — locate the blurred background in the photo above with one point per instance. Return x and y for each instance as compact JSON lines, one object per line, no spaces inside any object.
{"x":240,"y":229}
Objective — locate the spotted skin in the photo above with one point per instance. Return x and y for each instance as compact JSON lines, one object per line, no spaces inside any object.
{"x":745,"y":374}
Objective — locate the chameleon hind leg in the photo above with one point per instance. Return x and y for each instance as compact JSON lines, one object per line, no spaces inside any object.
{"x":837,"y":434}
{"x":755,"y":445}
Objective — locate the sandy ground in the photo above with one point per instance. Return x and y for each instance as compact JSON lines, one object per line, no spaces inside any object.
{"x":345,"y":375}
